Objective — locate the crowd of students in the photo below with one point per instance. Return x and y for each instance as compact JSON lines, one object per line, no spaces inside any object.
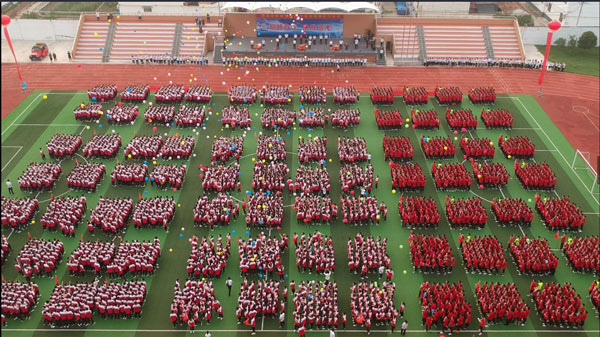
{"x":110,"y":215}
{"x":583,"y":254}
{"x":39,"y":257}
{"x":177,"y":147}
{"x":135,"y":92}
{"x":388,"y":119}
{"x":431,"y":253}
{"x":424,"y":119}
{"x":102,"y":146}
{"x":160,"y":114}
{"x":194,"y":303}
{"x":344,"y":95}
{"x":314,"y":252}
{"x":91,"y":256}
{"x":138,"y":258}
{"x":155,"y":212}
{"x":265,"y":210}
{"x":18,"y":299}
{"x":465,"y":213}
{"x":535,"y":175}
{"x":198,"y":93}
{"x":262,"y":255}
{"x":560,"y":214}
{"x":418,"y":212}
{"x":310,"y":179}
{"x":226,"y":148}
{"x":451,"y":176}
{"x":352,"y":150}
{"x":312,"y":117}
{"x":312,"y":209}
{"x":415,"y":95}
{"x":122,"y":114}
{"x":275,"y":94}
{"x":397,"y":148}
{"x":407,"y":177}
{"x":168,"y":59}
{"x":190,"y":115}
{"x":477,"y":147}
{"x":5,"y":250}
{"x":103,"y":92}
{"x":594,"y":292}
{"x":382,"y":95}
{"x":270,"y":148}
{"x":86,"y":112}
{"x":532,"y":256}
{"x":64,"y":214}
{"x":361,"y":210}
{"x":39,"y":176}
{"x":373,"y":304}
{"x":352,"y":175}
{"x":295,"y":61}
{"x":497,"y":118}
{"x":512,"y":211}
{"x":258,"y":299}
{"x":61,"y":146}
{"x":462,"y":119}
{"x":344,"y":118}
{"x":482,"y":254}
{"x":312,"y":94}
{"x":492,"y":63}
{"x":490,"y":175}
{"x":144,"y":147}
{"x":482,"y":95}
{"x":235,"y":117}
{"x":518,"y":147}
{"x":448,"y":95}
{"x":275,"y":118}
{"x":558,"y":306}
{"x":164,"y":176}
{"x":208,"y":258}
{"x":131,"y":174}
{"x":313,"y":149}
{"x":368,"y":254}
{"x":18,"y":212}
{"x":269,"y":176}
{"x":501,"y":303}
{"x":438,"y":147}
{"x":220,"y":177}
{"x":86,"y":176}
{"x":125,"y":299}
{"x":169,"y":93}
{"x":242,"y":94}
{"x":71,"y":304}
{"x":316,"y":305}
{"x":216,"y":211}
{"x":444,"y":305}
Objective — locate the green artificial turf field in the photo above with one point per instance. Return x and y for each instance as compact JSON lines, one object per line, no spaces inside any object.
{"x":35,"y":120}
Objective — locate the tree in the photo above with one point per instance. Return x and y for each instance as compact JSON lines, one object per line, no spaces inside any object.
{"x":587,"y":40}
{"x":560,"y":42}
{"x":525,"y":20}
{"x":572,"y":41}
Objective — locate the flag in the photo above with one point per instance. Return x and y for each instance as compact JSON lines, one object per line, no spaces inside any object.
{"x":81,"y":237}
{"x":56,"y":279}
{"x":94,"y":132}
{"x":51,"y":196}
{"x":247,"y":321}
{"x":140,"y":196}
{"x":29,"y":235}
{"x":556,"y":235}
{"x":76,"y":162}
{"x":106,"y":280}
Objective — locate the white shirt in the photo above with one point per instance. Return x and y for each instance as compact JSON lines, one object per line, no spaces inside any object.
{"x":404,"y":325}
{"x":207,"y":334}
{"x":8,"y":184}
{"x":282,"y":317}
{"x":331,"y":333}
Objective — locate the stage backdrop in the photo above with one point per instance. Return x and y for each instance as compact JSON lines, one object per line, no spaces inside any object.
{"x":275,"y":24}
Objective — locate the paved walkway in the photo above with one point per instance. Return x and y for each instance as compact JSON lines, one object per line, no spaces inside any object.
{"x":23,"y":49}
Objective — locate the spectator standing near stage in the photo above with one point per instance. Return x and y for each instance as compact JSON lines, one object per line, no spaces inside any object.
{"x":220,"y":23}
{"x":139,"y":14}
{"x":97,"y":16}
{"x":355,"y":43}
{"x":207,"y":17}
{"x":294,"y":42}
{"x":54,"y":56}
{"x":69,"y":56}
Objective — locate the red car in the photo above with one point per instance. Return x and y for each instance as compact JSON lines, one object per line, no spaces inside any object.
{"x":38,"y":51}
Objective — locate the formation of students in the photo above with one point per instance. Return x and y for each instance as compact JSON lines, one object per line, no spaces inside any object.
{"x":270,"y":148}
{"x":258,"y":299}
{"x":122,"y":114}
{"x":407,"y":177}
{"x":190,"y":115}
{"x":388,"y":119}
{"x":313,"y":149}
{"x":61,"y":146}
{"x":275,"y":94}
{"x":274,"y":118}
{"x":216,"y":211}
{"x":39,"y":176}
{"x":448,"y":95}
{"x":501,"y":303}
{"x":482,"y":254}
{"x":262,"y":255}
{"x":110,"y":215}
{"x":451,"y":176}
{"x":512,"y":211}
{"x":344,"y":95}
{"x":497,"y":118}
{"x":242,"y":94}
{"x":39,"y":258}
{"x":64,"y":214}
{"x":160,"y":114}
{"x":490,"y":175}
{"x":177,"y":147}
{"x":312,"y":94}
{"x":594,"y":292}
{"x":535,"y":175}
{"x":532,"y":256}
{"x":168,"y":59}
{"x":71,"y":304}
{"x":482,"y":95}
{"x":198,"y":93}
{"x":235,"y":117}
{"x":345,"y":118}
{"x":208,"y":258}
{"x":397,"y":148}
{"x":86,"y":112}
{"x":492,"y":63}
{"x":368,"y":254}
{"x":310,"y":179}
{"x":91,"y":256}
{"x":103,"y":92}
{"x":583,"y":254}
{"x":164,"y":176}
{"x":169,"y":93}
{"x":352,"y":150}
{"x":312,"y":117}
{"x":560,"y":214}
{"x":415,"y":95}
{"x":121,"y":300}
{"x":194,"y":303}
{"x":314,"y":209}
{"x":102,"y":146}
{"x":5,"y":250}
{"x":295,"y":61}
{"x":418,"y":212}
{"x":382,"y":95}
{"x":138,"y":258}
{"x":465,"y":213}
{"x":558,"y":305}
{"x":444,"y":305}
{"x":265,"y":209}
{"x":130,"y":174}
{"x":226,"y":148}
{"x":220,"y":177}
{"x":424,"y":119}
{"x":314,"y":252}
{"x":477,"y":147}
{"x":462,"y":119}
{"x":86,"y":176}
{"x":431,"y":253}
{"x":18,"y":299}
{"x":352,"y":175}
{"x":518,"y":147}
{"x":135,"y":92}
{"x":144,"y":147}
{"x":18,"y":212}
{"x":361,"y":210}
{"x":438,"y":147}
{"x":316,"y":305}
{"x":155,"y":212}
{"x":269,"y":176}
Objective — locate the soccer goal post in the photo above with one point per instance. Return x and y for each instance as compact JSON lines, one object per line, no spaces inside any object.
{"x":582,"y":167}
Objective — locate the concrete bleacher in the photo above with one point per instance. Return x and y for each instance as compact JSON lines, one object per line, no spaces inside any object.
{"x":89,"y":45}
{"x":405,"y":40}
{"x":453,"y":41}
{"x":192,"y":42}
{"x":133,"y":38}
{"x":505,"y":42}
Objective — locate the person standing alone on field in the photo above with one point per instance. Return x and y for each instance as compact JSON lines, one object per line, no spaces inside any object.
{"x":97,"y":16}
{"x":229,"y":284}
{"x":10,"y":188}
{"x":404,"y":327}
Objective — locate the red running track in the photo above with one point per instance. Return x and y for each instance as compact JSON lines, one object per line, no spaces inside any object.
{"x":562,"y":91}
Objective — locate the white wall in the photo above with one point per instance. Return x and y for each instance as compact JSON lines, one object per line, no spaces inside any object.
{"x":131,"y":8}
{"x":42,"y":30}
{"x":590,"y":14}
{"x":538,"y":35}
{"x":425,"y":8}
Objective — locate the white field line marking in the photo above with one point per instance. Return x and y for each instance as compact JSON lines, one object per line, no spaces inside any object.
{"x":248,"y":155}
{"x":502,"y":192}
{"x":591,"y":213}
{"x":21,"y":114}
{"x":386,"y":331}
{"x":523,"y":128}
{"x":482,"y":198}
{"x":47,"y":125}
{"x":83,"y":129}
{"x":82,"y":157}
{"x":11,"y":233}
{"x":37,"y":194}
{"x":551,"y":142}
{"x":546,"y":150}
{"x":60,"y":195}
{"x":584,"y":113}
{"x":520,"y":228}
{"x":13,"y":157}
